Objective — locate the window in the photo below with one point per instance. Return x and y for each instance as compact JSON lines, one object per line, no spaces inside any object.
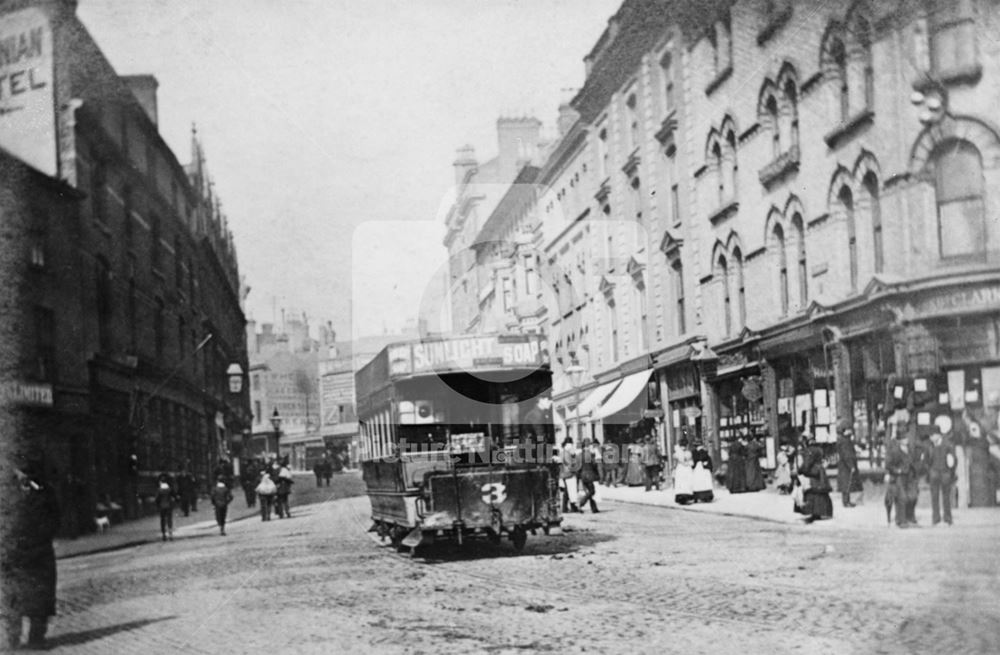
{"x":635,"y":198}
{"x":679,"y":295}
{"x":723,"y":272}
{"x":639,"y":291}
{"x":632,"y":116}
{"x":155,"y":246}
{"x":719,"y":173}
{"x":730,"y":163}
{"x":45,"y":344}
{"x":98,"y":193}
{"x":953,"y":36}
{"x":158,"y":328}
{"x":668,"y":82}
{"x":507,"y":285}
{"x":256,"y":412}
{"x":846,"y":199}
{"x":256,"y":382}
{"x":104,"y":303}
{"x":602,"y":150}
{"x":779,"y":246}
{"x":127,"y":217}
{"x":613,"y":327}
{"x":722,"y":46}
{"x":741,"y":296}
{"x":870,"y":184}
{"x":791,"y":120}
{"x":838,"y":56}
{"x":959,"y":188}
{"x":800,"y":244}
{"x":38,"y":241}
{"x":771,"y":108}
{"x":675,"y":204}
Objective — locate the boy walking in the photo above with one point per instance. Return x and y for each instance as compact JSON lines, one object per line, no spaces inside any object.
{"x":221,"y":497}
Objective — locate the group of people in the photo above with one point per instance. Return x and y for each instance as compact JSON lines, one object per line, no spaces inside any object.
{"x":693,"y":471}
{"x":325,"y":467}
{"x":640,"y":464}
{"x":181,"y":491}
{"x":273,"y":488}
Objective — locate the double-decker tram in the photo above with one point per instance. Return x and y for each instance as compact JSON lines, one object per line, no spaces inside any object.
{"x":456,"y":439}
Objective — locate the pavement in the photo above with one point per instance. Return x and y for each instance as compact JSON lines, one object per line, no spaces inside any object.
{"x":147,"y":529}
{"x":770,"y":505}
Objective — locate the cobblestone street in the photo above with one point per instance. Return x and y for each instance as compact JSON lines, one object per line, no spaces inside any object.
{"x":630,"y":579}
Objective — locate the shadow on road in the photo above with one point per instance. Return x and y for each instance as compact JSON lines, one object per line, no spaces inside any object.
{"x":82,"y":637}
{"x":571,"y":541}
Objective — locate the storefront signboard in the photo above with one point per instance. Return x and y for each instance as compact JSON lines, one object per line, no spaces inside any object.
{"x":26,"y":393}
{"x":959,"y":301}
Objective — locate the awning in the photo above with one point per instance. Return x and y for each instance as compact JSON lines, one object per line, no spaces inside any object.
{"x":593,"y":400}
{"x":630,"y":387}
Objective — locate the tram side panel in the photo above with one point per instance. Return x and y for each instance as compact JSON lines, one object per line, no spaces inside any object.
{"x":496,"y":499}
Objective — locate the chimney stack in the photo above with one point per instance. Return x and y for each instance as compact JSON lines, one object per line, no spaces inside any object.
{"x":465,"y":161}
{"x":144,"y":89}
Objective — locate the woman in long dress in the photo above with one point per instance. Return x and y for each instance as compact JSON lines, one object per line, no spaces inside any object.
{"x":636,"y":474}
{"x":701,"y":479}
{"x":982,"y":487}
{"x":684,"y":479}
{"x":736,"y":478}
{"x":783,"y":473}
{"x":812,"y":474}
{"x":754,"y":476}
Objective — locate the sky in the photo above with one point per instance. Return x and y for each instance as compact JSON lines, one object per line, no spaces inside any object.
{"x":330,"y":127}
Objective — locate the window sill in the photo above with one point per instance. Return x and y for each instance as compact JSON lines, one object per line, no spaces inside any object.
{"x":665,"y":135}
{"x":784,"y":164}
{"x":725,"y":211}
{"x":847,"y":129}
{"x":603,"y":192}
{"x":773,"y":25}
{"x":631,"y":164}
{"x":717,"y":81}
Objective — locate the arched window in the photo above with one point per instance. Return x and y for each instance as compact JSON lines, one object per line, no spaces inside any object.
{"x":639,"y":291}
{"x":771,"y":107}
{"x":779,"y":246}
{"x":800,"y":246}
{"x":678,"y":272}
{"x":846,"y":199}
{"x":870,"y":184}
{"x":668,"y":81}
{"x":741,"y":296}
{"x":959,"y":189}
{"x":722,"y":268}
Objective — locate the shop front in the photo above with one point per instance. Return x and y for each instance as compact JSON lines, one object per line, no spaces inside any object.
{"x":737,"y":392}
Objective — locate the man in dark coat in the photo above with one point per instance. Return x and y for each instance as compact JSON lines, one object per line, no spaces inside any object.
{"x":903,"y":466}
{"x":940,"y":459}
{"x":28,"y":559}
{"x":847,"y":464}
{"x":589,"y":474}
{"x":651,"y":461}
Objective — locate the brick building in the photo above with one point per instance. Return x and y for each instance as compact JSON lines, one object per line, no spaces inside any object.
{"x":129,"y":273}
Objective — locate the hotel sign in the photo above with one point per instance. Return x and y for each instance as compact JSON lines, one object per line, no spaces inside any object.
{"x":27,"y":105}
{"x":25,"y":393}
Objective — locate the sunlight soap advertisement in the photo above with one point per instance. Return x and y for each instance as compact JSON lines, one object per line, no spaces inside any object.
{"x":27,"y":114}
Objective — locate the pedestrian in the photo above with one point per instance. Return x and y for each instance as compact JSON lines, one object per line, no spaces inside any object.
{"x":754,"y":476}
{"x":684,"y":479}
{"x":701,"y":477}
{"x":589,"y":474}
{"x":816,"y":503}
{"x":221,"y":496}
{"x":28,"y":559}
{"x":610,"y":458}
{"x":981,"y":485}
{"x":186,"y":488}
{"x":783,"y":471}
{"x":318,"y":470}
{"x":651,"y":462}
{"x":736,"y":478}
{"x":284,"y":485}
{"x":902,"y":464}
{"x":328,"y":468}
{"x":847,"y":463}
{"x":635,"y":474}
{"x":165,"y":498}
{"x":568,"y":465}
{"x":941,"y":464}
{"x":248,"y":480}
{"x":266,"y":489}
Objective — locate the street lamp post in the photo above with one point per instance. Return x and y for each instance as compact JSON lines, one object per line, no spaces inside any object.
{"x":276,"y":424}
{"x":575,"y":372}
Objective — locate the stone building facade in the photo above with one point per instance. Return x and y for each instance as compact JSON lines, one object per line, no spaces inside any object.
{"x":133,"y":282}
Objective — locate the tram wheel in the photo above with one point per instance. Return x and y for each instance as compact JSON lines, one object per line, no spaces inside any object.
{"x":518,"y":536}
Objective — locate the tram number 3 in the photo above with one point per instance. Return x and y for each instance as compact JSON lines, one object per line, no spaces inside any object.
{"x":494,"y":493}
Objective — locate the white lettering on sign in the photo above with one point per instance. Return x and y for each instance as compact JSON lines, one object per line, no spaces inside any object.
{"x":27,"y":112}
{"x":494,"y":493}
{"x":23,"y":393}
{"x":471,"y":352}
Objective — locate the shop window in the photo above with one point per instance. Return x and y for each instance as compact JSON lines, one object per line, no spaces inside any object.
{"x":779,"y":246}
{"x":952,"y":36}
{"x":959,"y":190}
{"x":846,"y":199}
{"x":45,"y":344}
{"x":870,"y":184}
{"x":801,"y":268}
